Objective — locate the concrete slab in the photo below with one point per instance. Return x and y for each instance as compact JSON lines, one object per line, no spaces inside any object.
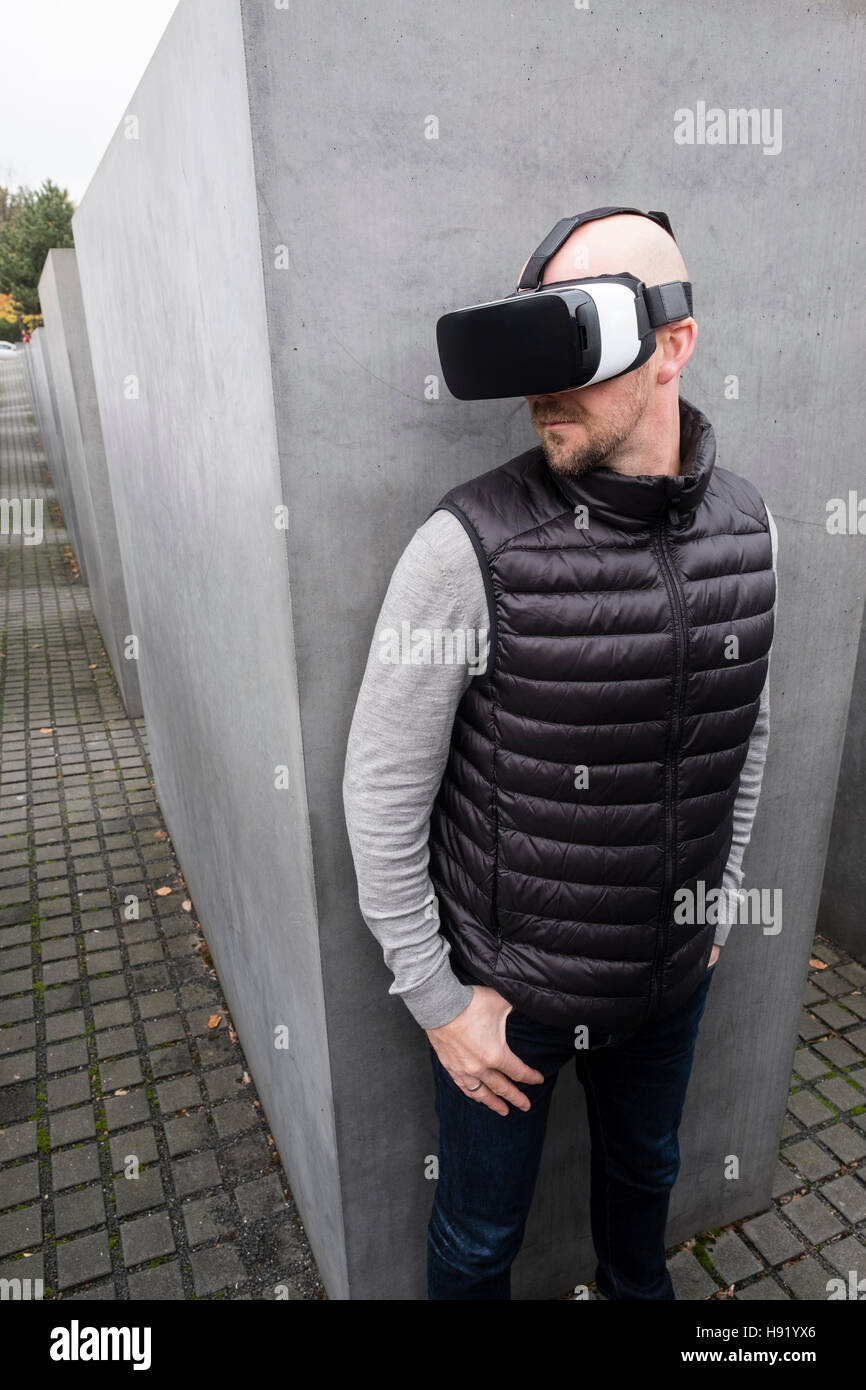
{"x":842,"y":915}
{"x":47,"y":417}
{"x":80,"y":430}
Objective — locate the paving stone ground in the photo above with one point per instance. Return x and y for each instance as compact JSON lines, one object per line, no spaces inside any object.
{"x":815,"y":1230}
{"x":110,"y":1063}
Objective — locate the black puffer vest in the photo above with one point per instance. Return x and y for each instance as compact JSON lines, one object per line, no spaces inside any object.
{"x":594,"y":764}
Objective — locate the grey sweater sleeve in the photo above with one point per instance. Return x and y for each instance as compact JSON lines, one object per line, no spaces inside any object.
{"x":746,"y":804}
{"x":398,"y":748}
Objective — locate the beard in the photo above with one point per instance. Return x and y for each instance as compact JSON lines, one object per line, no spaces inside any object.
{"x":601,"y":439}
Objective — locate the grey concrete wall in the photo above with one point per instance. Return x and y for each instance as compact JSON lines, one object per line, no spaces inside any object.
{"x":29,"y":351}
{"x":44,"y":414}
{"x":48,"y":420}
{"x":290,"y":267}
{"x":68,"y":350}
{"x":37,"y":381}
{"x":38,"y":384}
{"x":26,"y":355}
{"x":842,"y":915}
{"x":182,"y":368}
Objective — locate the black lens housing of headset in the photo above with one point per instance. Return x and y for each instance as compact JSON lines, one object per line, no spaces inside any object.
{"x":559,"y":336}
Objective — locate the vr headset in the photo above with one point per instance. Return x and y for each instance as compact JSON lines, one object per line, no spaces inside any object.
{"x":557,"y":337}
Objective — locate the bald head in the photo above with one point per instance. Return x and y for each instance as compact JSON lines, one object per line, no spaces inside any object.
{"x":611,"y":245}
{"x":629,"y":422}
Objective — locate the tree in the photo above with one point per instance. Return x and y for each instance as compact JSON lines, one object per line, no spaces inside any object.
{"x":10,"y":202}
{"x":31,"y":223}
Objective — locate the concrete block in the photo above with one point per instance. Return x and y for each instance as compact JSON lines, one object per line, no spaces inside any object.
{"x":68,"y":351}
{"x":47,"y":418}
{"x":292,"y":198}
{"x":842,"y":914}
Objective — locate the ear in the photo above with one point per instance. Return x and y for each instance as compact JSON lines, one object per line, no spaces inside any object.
{"x":675,"y":344}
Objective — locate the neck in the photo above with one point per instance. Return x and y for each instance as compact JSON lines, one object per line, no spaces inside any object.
{"x":654,"y":445}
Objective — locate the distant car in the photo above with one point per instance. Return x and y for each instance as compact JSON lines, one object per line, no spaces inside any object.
{"x":6,"y":348}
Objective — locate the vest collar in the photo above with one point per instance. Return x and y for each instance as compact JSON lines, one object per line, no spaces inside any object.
{"x":645,"y":498}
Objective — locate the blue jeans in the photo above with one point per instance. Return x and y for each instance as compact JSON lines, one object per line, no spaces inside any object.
{"x":635,"y":1085}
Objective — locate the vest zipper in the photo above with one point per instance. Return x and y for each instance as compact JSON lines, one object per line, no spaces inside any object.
{"x":494,"y":895}
{"x":681,"y":637}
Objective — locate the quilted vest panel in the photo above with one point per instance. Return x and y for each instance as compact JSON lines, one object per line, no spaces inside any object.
{"x":594,"y":764}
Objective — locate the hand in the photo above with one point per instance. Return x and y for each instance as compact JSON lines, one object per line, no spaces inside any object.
{"x":714,"y":956}
{"x":472,"y":1048}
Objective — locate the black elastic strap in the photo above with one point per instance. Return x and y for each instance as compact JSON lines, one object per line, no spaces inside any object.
{"x":668,"y":302}
{"x":558,"y":235}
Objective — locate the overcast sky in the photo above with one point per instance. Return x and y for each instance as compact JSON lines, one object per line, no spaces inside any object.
{"x":69,"y":68}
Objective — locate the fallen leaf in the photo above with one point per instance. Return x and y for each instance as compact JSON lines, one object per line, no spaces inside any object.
{"x":46,"y":731}
{"x":817,"y":964}
{"x":161,"y":892}
{"x":160,"y":834}
{"x":186,"y":905}
{"x":121,"y":1093}
{"x":214,"y":1021}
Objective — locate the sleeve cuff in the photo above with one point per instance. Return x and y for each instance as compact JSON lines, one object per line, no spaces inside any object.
{"x":439,"y":1000}
{"x":728,"y":910}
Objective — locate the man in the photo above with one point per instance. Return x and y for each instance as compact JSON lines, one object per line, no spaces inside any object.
{"x":522,"y":819}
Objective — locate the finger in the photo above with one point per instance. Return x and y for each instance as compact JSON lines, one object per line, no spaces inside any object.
{"x":512,"y":1066}
{"x":486,"y":1097}
{"x":495,"y":1081}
